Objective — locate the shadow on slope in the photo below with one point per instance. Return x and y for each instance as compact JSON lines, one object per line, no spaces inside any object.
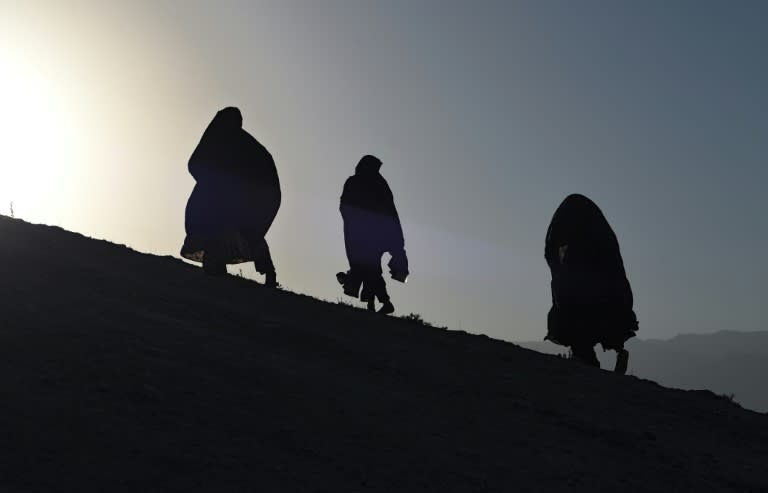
{"x":131,"y":372}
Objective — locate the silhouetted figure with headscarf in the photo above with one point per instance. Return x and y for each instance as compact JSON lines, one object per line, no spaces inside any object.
{"x":591,"y":296}
{"x":371,"y":228}
{"x":235,"y":200}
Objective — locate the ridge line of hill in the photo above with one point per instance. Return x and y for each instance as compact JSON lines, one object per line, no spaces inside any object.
{"x":125,"y":371}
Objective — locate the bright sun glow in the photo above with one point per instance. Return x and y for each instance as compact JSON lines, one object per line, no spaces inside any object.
{"x":35,"y":137}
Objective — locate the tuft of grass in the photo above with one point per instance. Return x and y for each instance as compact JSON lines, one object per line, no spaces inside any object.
{"x":729,"y":397}
{"x":411,"y":317}
{"x":415,"y":317}
{"x":342,"y":302}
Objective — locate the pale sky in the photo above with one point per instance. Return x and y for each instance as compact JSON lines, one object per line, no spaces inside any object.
{"x":486,"y":115}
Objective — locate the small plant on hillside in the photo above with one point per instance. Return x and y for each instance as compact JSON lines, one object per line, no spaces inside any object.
{"x":729,"y":397}
{"x":415,"y":317}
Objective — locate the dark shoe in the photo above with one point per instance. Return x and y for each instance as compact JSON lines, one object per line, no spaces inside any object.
{"x":622,"y":361}
{"x":372,"y":306}
{"x":270,"y":280}
{"x":387,"y":308}
{"x":341,"y":277}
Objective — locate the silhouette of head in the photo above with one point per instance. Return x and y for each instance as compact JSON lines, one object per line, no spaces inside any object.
{"x":368,"y":165}
{"x":579,"y":208}
{"x":579,"y":219}
{"x":226,"y":125}
{"x":579,"y":203}
{"x":228,"y":119}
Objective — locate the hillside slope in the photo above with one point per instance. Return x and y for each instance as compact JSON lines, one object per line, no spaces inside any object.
{"x":725,"y":362}
{"x":130,"y":372}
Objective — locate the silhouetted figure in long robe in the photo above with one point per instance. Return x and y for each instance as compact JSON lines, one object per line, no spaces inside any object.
{"x":371,"y":228}
{"x":235,"y":200}
{"x":591,"y":296}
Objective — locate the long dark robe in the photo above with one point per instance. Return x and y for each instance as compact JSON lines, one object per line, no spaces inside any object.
{"x":591,"y":296}
{"x":371,"y":228}
{"x":236,"y":197}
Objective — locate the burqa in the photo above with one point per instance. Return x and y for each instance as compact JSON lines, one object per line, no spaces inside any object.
{"x":591,"y":296}
{"x":235,"y":200}
{"x":371,"y":228}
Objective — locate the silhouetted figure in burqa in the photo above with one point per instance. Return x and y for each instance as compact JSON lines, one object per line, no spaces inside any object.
{"x":235,"y":200}
{"x":371,"y":228}
{"x":591,"y":296}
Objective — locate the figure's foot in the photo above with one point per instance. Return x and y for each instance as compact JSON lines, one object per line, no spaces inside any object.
{"x":387,"y":308}
{"x":372,"y":306}
{"x":622,"y":361}
{"x":270,"y":279}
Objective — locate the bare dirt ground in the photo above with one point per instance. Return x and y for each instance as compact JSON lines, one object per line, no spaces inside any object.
{"x":130,"y":372}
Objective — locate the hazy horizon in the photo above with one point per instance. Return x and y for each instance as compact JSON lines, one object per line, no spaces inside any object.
{"x":485,"y":115}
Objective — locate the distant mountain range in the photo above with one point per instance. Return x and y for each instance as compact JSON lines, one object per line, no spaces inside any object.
{"x":726,"y":362}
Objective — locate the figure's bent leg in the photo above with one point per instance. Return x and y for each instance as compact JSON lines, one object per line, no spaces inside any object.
{"x":373,"y":284}
{"x":380,"y":289}
{"x":262,"y":261}
{"x":213,"y":268}
{"x":213,"y":265}
{"x":270,"y":279}
{"x":367,"y":293}
{"x":622,"y":361}
{"x":585,"y":353}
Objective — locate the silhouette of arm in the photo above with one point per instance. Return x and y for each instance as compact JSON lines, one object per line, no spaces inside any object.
{"x":397,"y":240}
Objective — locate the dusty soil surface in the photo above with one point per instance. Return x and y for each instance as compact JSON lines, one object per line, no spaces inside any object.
{"x":130,"y":372}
